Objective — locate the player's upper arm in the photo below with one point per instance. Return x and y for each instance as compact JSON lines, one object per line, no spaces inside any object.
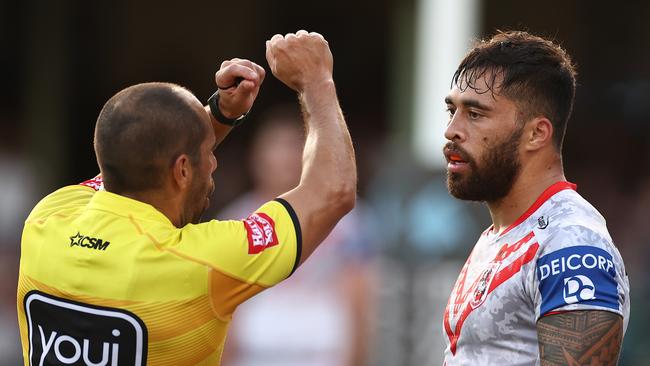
{"x":591,"y":337}
{"x":579,"y":269}
{"x":581,"y":294}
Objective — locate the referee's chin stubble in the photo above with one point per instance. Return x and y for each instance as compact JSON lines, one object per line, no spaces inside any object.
{"x":198,"y":201}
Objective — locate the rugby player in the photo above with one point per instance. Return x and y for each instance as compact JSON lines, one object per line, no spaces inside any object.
{"x":544,"y":284}
{"x":119,"y":270}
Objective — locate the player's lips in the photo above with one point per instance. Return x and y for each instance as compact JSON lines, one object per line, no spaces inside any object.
{"x":455,"y":161}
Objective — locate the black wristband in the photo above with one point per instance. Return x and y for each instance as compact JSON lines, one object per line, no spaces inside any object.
{"x":213,"y":102}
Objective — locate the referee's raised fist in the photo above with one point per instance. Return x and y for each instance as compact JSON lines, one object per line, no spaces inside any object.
{"x":301,"y":60}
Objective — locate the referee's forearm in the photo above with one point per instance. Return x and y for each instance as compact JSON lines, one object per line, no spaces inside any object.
{"x":329,"y":166}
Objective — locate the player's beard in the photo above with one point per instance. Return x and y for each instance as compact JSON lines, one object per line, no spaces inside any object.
{"x":494,"y":177}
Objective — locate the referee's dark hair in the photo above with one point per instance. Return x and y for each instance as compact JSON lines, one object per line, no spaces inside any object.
{"x":535,"y":73}
{"x":139,"y":133}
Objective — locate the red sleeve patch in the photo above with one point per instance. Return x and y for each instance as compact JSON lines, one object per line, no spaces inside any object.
{"x":96,"y":183}
{"x":261,"y":232}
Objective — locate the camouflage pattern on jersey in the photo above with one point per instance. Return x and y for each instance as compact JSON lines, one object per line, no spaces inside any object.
{"x":557,"y":256}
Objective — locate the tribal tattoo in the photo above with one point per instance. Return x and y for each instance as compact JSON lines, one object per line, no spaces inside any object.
{"x":574,"y":338}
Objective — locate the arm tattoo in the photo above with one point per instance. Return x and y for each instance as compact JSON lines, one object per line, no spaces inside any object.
{"x":574,"y":338}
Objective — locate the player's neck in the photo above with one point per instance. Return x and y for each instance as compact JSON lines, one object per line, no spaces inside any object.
{"x":531,"y":182}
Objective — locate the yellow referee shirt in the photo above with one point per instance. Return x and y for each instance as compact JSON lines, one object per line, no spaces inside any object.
{"x":108,"y":280}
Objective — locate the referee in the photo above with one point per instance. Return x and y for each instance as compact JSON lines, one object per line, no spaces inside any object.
{"x":118,"y":270}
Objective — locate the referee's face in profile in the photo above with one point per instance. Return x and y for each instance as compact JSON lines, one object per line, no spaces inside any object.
{"x":202,"y":186}
{"x":483,"y":157}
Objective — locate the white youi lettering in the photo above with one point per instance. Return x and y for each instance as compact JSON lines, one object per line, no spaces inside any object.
{"x":81,"y":350}
{"x":574,"y":262}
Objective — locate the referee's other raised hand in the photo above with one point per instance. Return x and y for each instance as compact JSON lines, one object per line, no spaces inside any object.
{"x":239,"y":81}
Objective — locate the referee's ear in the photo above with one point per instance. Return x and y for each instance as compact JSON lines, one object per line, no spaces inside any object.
{"x":182,"y":172}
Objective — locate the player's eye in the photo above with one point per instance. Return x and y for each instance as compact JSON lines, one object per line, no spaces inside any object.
{"x":450,"y":110}
{"x":473,"y":115}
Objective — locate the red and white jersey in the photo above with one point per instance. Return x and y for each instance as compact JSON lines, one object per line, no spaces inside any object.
{"x":557,"y":256}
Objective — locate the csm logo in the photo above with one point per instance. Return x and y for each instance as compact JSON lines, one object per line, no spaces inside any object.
{"x":88,"y":242}
{"x":62,"y":332}
{"x":578,"y":288}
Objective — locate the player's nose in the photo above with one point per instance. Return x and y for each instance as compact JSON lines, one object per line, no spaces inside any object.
{"x":454,"y":131}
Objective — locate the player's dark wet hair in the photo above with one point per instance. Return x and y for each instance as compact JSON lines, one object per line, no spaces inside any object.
{"x":535,"y":73}
{"x":141,"y":131}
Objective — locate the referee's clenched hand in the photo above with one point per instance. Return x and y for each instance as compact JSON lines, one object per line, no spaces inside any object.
{"x":239,"y":82}
{"x":300,"y":60}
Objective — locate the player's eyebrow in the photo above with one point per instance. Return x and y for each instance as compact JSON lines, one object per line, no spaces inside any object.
{"x":469,"y":103}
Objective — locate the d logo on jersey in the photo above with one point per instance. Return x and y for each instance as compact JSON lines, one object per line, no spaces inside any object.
{"x":63,"y":332}
{"x":578,"y":288}
{"x":577,"y":275}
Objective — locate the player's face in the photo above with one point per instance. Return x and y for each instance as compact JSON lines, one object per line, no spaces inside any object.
{"x":202,"y":187}
{"x":483,"y":149}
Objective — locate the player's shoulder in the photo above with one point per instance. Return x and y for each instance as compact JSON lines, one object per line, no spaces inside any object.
{"x":569,"y":212}
{"x":569,"y":206}
{"x":569,"y":220}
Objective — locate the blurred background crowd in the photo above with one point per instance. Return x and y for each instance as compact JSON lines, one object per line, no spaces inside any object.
{"x":374,"y":294}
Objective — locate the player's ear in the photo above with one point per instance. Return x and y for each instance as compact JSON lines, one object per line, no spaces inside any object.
{"x":182,"y":171}
{"x":538,"y":133}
